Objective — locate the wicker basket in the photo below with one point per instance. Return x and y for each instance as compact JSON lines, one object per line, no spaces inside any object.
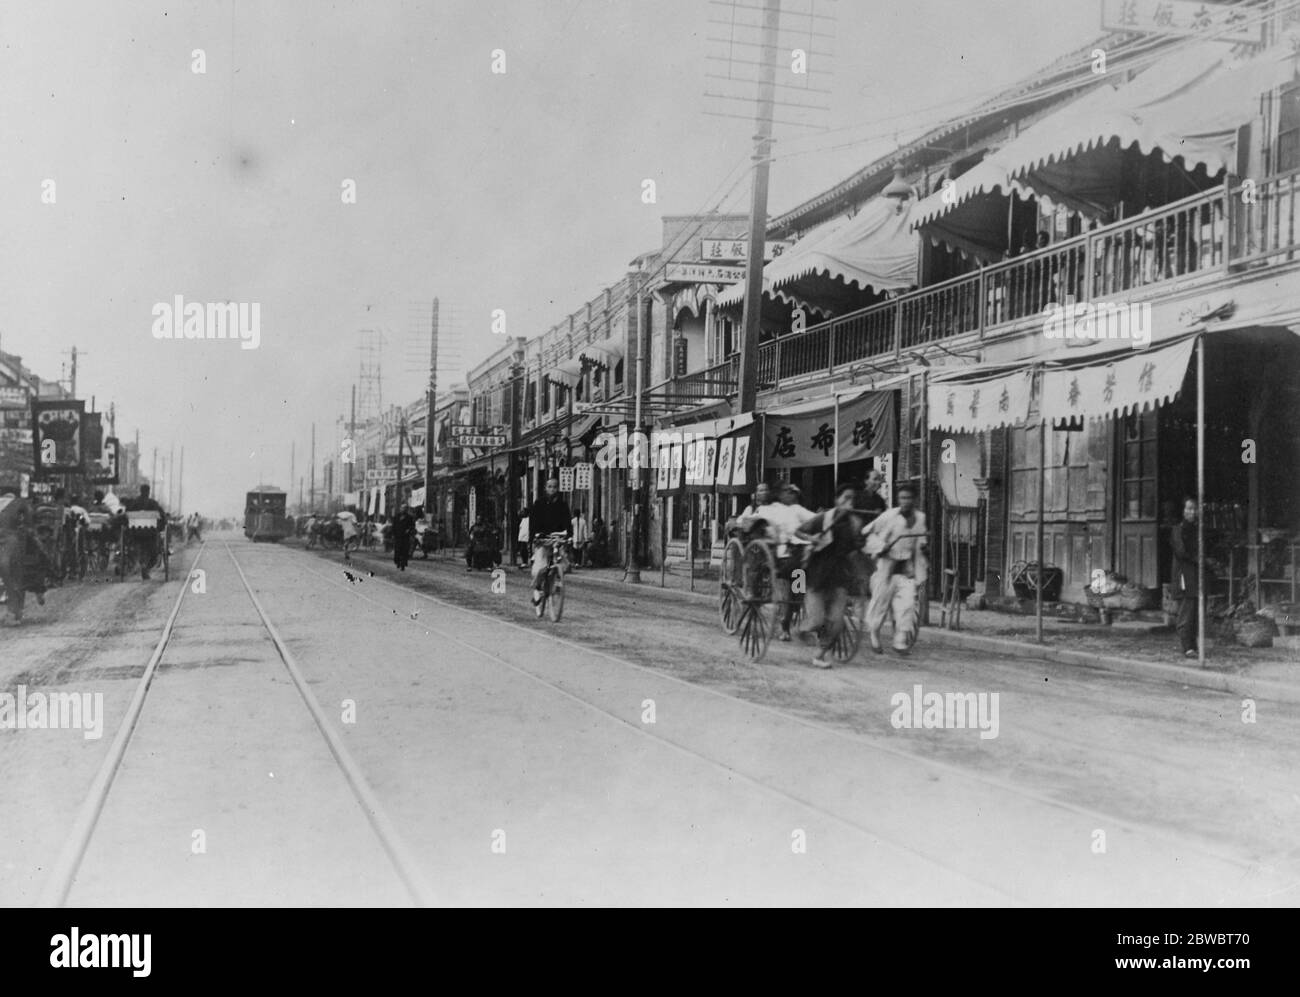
{"x":1255,"y":632}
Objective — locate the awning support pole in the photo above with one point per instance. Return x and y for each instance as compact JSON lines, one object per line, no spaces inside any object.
{"x":1200,"y":502}
{"x":835,"y":464}
{"x":1039,"y":539}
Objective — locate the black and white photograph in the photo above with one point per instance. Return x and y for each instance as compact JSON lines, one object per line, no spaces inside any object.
{"x":708,"y":453}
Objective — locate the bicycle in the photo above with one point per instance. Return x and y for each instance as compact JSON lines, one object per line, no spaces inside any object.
{"x":551,"y":601}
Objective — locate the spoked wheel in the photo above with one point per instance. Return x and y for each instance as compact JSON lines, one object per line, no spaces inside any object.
{"x":758,"y":572}
{"x":555,"y":602}
{"x":730,"y":592}
{"x":755,"y":628}
{"x":846,"y":645}
{"x":758,"y":587}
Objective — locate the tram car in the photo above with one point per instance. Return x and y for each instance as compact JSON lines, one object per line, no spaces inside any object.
{"x":264,"y":514}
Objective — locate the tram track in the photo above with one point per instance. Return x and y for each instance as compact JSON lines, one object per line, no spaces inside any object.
{"x":72,"y":857}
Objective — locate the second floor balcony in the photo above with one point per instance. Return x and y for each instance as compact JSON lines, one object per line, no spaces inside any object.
{"x":1206,"y":238}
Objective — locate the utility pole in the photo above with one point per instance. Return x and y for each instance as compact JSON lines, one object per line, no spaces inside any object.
{"x":352,"y":435}
{"x":428,"y":419}
{"x":112,"y":422}
{"x":397,"y":485}
{"x":632,"y":572}
{"x":180,"y":483}
{"x":313,"y":465}
{"x":293,"y":469}
{"x":153,"y":473}
{"x":758,"y":207}
{"x":171,"y":473}
{"x":72,"y":372}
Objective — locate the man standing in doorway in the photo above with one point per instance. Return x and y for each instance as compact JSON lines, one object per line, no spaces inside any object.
{"x":1185,"y":584}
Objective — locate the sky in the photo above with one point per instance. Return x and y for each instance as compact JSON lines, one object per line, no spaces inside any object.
{"x":519,"y":190}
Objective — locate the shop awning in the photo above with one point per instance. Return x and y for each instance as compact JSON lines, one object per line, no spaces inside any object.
{"x":609,"y":351}
{"x":812,"y":434}
{"x":1189,"y":105}
{"x":875,"y":250}
{"x":1134,"y":382}
{"x":974,"y":406}
{"x":567,"y":372}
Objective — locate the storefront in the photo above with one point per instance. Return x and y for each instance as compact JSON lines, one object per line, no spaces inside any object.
{"x":1110,"y":441}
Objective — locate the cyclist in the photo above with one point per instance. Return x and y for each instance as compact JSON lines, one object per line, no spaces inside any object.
{"x":549,"y":514}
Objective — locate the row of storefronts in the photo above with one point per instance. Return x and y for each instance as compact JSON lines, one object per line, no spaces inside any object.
{"x":1091,"y":295}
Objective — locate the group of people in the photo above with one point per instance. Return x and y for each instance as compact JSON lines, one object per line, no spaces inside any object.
{"x":26,"y":564}
{"x":836,"y":550}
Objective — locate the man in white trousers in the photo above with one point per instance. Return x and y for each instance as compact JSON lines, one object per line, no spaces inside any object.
{"x":896,"y":539}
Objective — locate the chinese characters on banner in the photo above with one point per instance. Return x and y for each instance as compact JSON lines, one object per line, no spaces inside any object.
{"x":582,"y":477}
{"x":964,"y":407}
{"x":1142,"y":380}
{"x":1180,"y":17}
{"x":738,"y":249}
{"x":867,"y":426}
{"x":566,"y":479}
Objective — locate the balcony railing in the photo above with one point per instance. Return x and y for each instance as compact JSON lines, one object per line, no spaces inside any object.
{"x":717,"y":381}
{"x":1199,"y":235}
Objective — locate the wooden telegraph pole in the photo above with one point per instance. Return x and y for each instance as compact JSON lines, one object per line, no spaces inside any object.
{"x":758,"y":208}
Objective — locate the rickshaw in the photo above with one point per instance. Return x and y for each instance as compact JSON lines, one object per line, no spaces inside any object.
{"x":748,"y":605}
{"x":99,"y":540}
{"x":143,"y":527}
{"x":47,"y":521}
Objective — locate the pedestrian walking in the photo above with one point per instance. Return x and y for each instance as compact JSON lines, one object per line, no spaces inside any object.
{"x":833,"y":536}
{"x":581,"y":537}
{"x":897,"y":540}
{"x":15,"y":534}
{"x":521,"y":540}
{"x":403,"y":537}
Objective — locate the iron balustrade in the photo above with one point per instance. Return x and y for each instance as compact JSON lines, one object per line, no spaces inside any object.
{"x":1229,"y":226}
{"x":717,"y":381}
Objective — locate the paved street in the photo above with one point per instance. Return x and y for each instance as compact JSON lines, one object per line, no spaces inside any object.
{"x":512,"y":761}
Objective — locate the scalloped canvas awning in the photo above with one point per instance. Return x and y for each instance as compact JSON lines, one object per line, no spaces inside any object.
{"x":873,"y":250}
{"x":1143,"y":379}
{"x":1189,"y":106}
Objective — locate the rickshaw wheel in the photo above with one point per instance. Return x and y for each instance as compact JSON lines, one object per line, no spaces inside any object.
{"x":846,"y":645}
{"x":730,"y":596}
{"x":755,"y":627}
{"x":758,"y":572}
{"x":758,"y":587}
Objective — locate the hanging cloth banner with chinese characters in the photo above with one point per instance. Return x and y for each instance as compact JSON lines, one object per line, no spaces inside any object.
{"x":810,"y":436}
{"x":964,"y":407}
{"x":1145,"y":378}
